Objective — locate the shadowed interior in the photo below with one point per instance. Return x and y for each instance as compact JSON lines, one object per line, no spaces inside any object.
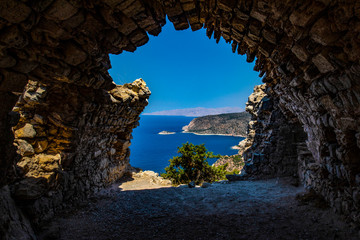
{"x":306,"y":51}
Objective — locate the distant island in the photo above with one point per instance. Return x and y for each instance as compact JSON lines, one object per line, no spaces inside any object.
{"x":232,"y":124}
{"x":196,"y":112}
{"x":166,"y":133}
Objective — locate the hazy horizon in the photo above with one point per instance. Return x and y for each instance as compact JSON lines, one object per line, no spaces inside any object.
{"x":195,"y":112}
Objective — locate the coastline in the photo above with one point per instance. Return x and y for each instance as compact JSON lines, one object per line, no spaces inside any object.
{"x":214,"y":134}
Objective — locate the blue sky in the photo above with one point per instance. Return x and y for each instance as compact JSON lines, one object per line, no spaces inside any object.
{"x":185,"y":69}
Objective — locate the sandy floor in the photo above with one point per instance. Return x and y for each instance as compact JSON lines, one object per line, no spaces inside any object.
{"x":237,"y":210}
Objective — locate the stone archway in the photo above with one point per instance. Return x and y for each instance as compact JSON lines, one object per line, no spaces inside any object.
{"x":308,"y":53}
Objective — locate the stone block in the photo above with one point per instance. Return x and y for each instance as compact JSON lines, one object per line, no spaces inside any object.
{"x":302,"y":16}
{"x":27,"y":131}
{"x":266,"y":48}
{"x":175,"y":10}
{"x":227,"y":5}
{"x":139,"y":38}
{"x":258,"y":15}
{"x":269,"y":35}
{"x":24,"y":148}
{"x":127,"y":25}
{"x":13,"y":37}
{"x":41,"y":145}
{"x":322,"y":63}
{"x":14,"y":11}
{"x":131,"y":8}
{"x":239,"y":24}
{"x":300,"y":52}
{"x":67,"y":10}
{"x":74,"y":55}
{"x":322,"y":33}
{"x":188,"y":5}
{"x":74,"y":22}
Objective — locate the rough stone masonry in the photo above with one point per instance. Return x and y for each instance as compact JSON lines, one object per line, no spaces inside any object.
{"x":307,"y":52}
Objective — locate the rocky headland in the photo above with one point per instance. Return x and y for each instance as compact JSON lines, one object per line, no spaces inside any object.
{"x":232,"y":124}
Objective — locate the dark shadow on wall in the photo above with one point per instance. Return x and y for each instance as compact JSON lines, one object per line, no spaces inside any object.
{"x":276,"y":142}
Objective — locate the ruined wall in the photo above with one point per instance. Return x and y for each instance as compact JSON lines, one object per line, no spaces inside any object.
{"x":307,"y":51}
{"x":72,"y":141}
{"x":275,"y":142}
{"x":277,"y":145}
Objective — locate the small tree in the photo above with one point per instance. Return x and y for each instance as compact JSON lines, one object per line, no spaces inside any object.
{"x":192,"y":165}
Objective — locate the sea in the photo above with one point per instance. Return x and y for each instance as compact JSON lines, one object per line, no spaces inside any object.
{"x":151,"y":151}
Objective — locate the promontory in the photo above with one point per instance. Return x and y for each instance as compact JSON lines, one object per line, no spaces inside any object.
{"x":233,"y":124}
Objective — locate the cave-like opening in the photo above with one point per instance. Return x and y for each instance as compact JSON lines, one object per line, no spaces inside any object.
{"x":184,"y":69}
{"x":308,"y":53}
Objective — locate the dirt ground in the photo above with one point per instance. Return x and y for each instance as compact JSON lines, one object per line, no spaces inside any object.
{"x":146,"y":209}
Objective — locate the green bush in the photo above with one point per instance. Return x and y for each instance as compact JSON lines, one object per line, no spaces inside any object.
{"x":238,"y":160}
{"x":192,"y":165}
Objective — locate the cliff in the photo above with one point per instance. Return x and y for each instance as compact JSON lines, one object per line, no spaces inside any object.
{"x":224,"y":124}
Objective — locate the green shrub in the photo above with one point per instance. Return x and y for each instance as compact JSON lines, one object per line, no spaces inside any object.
{"x":192,"y":165}
{"x":238,"y":160}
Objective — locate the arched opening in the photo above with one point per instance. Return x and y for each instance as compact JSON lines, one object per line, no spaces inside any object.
{"x":308,"y":53}
{"x":184,"y":70}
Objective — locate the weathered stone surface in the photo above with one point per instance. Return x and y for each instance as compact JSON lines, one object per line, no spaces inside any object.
{"x":27,"y":131}
{"x":313,"y":42}
{"x":322,"y":63}
{"x":29,"y":188}
{"x":273,"y":142}
{"x":74,"y":55}
{"x":300,"y":52}
{"x":67,"y":10}
{"x":14,"y":37}
{"x":71,"y":143}
{"x":24,"y":148}
{"x":14,"y":11}
{"x":13,"y":223}
{"x":322,"y":33}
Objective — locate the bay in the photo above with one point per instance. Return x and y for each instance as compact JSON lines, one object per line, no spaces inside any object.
{"x":152,"y":151}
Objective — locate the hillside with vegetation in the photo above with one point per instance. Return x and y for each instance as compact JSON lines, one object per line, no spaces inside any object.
{"x":233,"y":124}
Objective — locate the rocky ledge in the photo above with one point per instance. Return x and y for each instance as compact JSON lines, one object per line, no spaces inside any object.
{"x":233,"y":124}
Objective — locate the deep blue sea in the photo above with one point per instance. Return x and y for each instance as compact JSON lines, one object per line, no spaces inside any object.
{"x":151,"y":151}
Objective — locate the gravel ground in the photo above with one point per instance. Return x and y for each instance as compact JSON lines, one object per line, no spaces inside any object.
{"x":264,"y":209}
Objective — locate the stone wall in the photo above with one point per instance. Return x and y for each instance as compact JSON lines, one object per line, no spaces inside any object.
{"x":72,"y":141}
{"x":275,"y":142}
{"x":277,"y":145}
{"x":307,"y":51}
